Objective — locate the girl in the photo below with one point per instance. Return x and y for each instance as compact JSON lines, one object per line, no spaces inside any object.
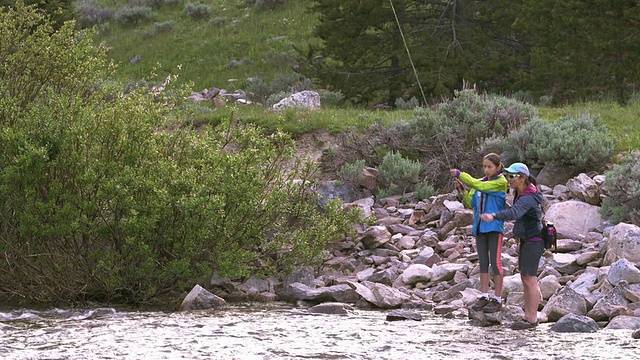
{"x":527,"y":212}
{"x":486,"y":194}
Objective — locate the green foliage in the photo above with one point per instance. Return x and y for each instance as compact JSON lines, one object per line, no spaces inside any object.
{"x":282,"y":86}
{"x":90,"y":13}
{"x":582,"y":50}
{"x":330,"y":99}
{"x":581,"y":142}
{"x":351,"y":173}
{"x":100,"y":202}
{"x":197,"y":11}
{"x":397,"y":173}
{"x":58,"y":11}
{"x":407,"y":105}
{"x":164,"y":26}
{"x":424,"y":190}
{"x":450,"y":134}
{"x":266,"y":4}
{"x":623,"y":187}
{"x":133,"y":15}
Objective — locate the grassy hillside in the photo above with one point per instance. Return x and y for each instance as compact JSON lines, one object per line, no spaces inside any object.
{"x":223,"y":48}
{"x":238,"y":40}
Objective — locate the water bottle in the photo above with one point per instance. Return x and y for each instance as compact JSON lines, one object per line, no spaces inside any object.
{"x":550,"y":230}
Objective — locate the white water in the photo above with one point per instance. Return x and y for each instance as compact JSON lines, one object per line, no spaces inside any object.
{"x":277,"y":331}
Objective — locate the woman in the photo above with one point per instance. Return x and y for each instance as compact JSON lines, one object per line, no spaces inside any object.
{"x":527,"y":213}
{"x":486,"y":194}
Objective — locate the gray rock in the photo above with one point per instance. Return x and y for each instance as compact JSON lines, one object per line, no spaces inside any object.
{"x":331,"y":308}
{"x":401,"y":314}
{"x":575,"y":323}
{"x":201,"y":299}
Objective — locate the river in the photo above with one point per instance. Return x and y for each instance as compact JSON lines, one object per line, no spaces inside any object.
{"x":279,"y":331}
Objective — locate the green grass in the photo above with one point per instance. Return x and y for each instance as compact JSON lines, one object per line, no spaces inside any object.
{"x":261,"y":39}
{"x":623,"y":122}
{"x":334,"y":120}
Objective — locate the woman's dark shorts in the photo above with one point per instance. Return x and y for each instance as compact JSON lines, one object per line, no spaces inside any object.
{"x":529,"y":258}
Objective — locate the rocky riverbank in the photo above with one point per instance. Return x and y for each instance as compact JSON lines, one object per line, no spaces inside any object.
{"x":419,"y":255}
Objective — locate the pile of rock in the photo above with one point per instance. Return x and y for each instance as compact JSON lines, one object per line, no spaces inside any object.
{"x":309,"y":100}
{"x":421,"y":255}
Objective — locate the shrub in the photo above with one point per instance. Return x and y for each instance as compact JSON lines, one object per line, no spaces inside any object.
{"x":105,"y":205}
{"x":424,"y":190}
{"x":172,"y":3}
{"x":133,"y":15}
{"x":330,"y":99}
{"x":275,"y":98}
{"x":351,"y":173}
{"x":219,"y":21}
{"x":623,"y":189}
{"x":397,"y":173}
{"x":407,"y":105}
{"x":91,"y":13}
{"x":164,"y":27}
{"x":197,"y":11}
{"x":265,"y":4}
{"x":581,"y":142}
{"x":288,"y":83}
{"x":450,"y":134}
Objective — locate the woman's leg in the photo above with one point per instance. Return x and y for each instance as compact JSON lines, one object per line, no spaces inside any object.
{"x":482,"y":245}
{"x":531,"y":297}
{"x":495,"y":256}
{"x":530,"y":253}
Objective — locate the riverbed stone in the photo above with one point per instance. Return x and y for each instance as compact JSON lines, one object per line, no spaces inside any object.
{"x":623,"y":269}
{"x":401,"y":314}
{"x":201,"y":299}
{"x":624,"y":243}
{"x":624,"y":322}
{"x":575,"y":323}
{"x":331,"y":308}
{"x":565,"y":301}
{"x":605,"y":306}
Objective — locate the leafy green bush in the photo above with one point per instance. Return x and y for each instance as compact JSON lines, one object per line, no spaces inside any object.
{"x":450,"y":134}
{"x":623,"y":189}
{"x":265,"y":4}
{"x":424,"y":190}
{"x":275,"y":98}
{"x":197,"y":11}
{"x":407,"y":105}
{"x":91,"y":13}
{"x":580,"y":142}
{"x":286,"y":83}
{"x":398,"y":174}
{"x":351,"y":173}
{"x":101,"y":202}
{"x":132,"y":15}
{"x":329,"y":99}
{"x":164,"y":27}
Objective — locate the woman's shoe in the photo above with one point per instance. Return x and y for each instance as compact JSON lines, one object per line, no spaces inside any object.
{"x":481,"y":303}
{"x":493,"y":306}
{"x":523,"y":325}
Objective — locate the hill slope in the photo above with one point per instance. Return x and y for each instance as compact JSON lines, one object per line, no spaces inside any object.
{"x":230,"y":43}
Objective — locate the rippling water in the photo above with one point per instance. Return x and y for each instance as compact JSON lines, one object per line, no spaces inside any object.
{"x":277,"y":331}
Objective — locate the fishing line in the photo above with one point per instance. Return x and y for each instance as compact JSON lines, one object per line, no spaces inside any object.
{"x":415,"y":72}
{"x":424,"y":98}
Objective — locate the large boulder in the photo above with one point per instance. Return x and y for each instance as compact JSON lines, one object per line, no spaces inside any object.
{"x":575,"y":323}
{"x":303,"y":99}
{"x":201,"y":299}
{"x":573,"y":219}
{"x":624,"y":243}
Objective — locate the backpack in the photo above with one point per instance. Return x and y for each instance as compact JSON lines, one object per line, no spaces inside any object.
{"x":550,"y":235}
